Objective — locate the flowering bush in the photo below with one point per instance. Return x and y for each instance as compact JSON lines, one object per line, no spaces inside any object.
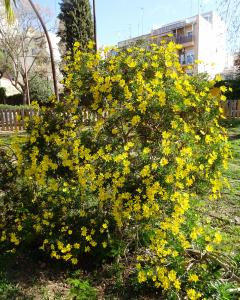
{"x":123,"y":160}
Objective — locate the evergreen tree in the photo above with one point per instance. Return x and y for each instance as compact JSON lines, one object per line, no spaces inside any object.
{"x":76,"y":23}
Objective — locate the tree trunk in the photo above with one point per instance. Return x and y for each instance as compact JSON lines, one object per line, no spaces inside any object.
{"x":24,"y":96}
{"x":50,"y":49}
{"x":95,"y":25}
{"x":26,"y":73}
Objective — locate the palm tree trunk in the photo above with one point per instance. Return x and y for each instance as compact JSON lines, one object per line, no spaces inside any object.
{"x":95,"y":25}
{"x":50,"y":49}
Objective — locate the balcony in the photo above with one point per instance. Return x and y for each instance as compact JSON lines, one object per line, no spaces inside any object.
{"x":183,"y":39}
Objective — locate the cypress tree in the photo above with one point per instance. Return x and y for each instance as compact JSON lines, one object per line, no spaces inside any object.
{"x":76,"y":23}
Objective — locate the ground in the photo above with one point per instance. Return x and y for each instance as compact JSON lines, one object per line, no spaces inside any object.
{"x":31,"y":276}
{"x":225,"y":213}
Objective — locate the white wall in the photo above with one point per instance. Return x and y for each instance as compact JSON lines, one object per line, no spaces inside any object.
{"x":212,"y":45}
{"x":10,"y":89}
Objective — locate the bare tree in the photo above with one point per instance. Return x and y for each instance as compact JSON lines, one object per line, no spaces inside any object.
{"x":49,"y":46}
{"x":10,"y":16}
{"x":24,"y":46}
{"x":230,"y":12}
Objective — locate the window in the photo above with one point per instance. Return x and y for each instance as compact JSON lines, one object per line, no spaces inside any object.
{"x":182,"y":59}
{"x":190,"y":56}
{"x":189,"y":34}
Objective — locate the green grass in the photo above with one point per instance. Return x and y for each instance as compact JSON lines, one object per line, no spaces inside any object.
{"x":230,"y":202}
{"x":8,"y":106}
{"x":224,"y":214}
{"x":7,"y":139}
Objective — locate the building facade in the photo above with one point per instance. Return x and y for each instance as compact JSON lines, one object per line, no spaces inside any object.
{"x":203,"y":37}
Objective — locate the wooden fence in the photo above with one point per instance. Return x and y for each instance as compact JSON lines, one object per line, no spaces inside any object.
{"x":14,"y":119}
{"x":232,"y":108}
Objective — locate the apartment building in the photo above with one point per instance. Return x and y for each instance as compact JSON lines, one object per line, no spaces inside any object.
{"x":203,"y":37}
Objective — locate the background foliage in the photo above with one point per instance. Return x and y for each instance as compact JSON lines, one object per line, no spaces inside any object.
{"x":76,"y":23}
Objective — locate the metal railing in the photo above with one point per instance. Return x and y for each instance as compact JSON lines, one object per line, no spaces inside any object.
{"x":181,"y":39}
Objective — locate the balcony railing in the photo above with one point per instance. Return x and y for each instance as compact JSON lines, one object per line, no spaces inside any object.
{"x":181,"y":39}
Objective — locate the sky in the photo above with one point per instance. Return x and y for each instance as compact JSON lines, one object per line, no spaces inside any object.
{"x":120,"y":19}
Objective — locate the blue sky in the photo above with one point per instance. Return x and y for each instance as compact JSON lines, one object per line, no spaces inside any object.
{"x":120,"y":19}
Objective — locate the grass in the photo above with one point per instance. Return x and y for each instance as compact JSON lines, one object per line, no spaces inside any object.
{"x":224,"y":213}
{"x":26,"y":276}
{"x":7,"y":139}
{"x":8,"y":106}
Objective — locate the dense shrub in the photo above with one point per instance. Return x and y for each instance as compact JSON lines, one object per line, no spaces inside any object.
{"x":2,"y":95}
{"x":233,"y":91}
{"x":15,"y":99}
{"x":128,"y":179}
{"x":14,"y":107}
{"x":40,"y":89}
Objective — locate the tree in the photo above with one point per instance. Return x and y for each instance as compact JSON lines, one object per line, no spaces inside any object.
{"x":95,"y":25}
{"x":23,"y":47}
{"x":50,"y":48}
{"x":76,"y":24}
{"x":230,"y":12}
{"x":40,"y":89}
{"x":10,"y":16}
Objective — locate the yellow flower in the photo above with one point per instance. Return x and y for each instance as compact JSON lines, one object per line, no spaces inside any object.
{"x":105,"y":225}
{"x":114,"y":131}
{"x":19,"y":227}
{"x":218,"y":77}
{"x":84,"y":231}
{"x":146,"y":150}
{"x":177,"y":284}
{"x":88,"y":238}
{"x":128,"y":146}
{"x":172,"y":275}
{"x":159,"y":75}
{"x":135,"y":120}
{"x":193,"y":295}
{"x":145,"y":171}
{"x":14,"y":239}
{"x":76,"y":245}
{"x":87,"y":249}
{"x":132,"y":64}
{"x":91,"y":45}
{"x":104,"y":244}
{"x":163,"y":161}
{"x":193,"y":278}
{"x":209,"y":248}
{"x":154,"y":165}
{"x":217,"y":238}
{"x":76,"y":45}
{"x":223,"y":89}
{"x":74,"y":261}
{"x":141,"y":276}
